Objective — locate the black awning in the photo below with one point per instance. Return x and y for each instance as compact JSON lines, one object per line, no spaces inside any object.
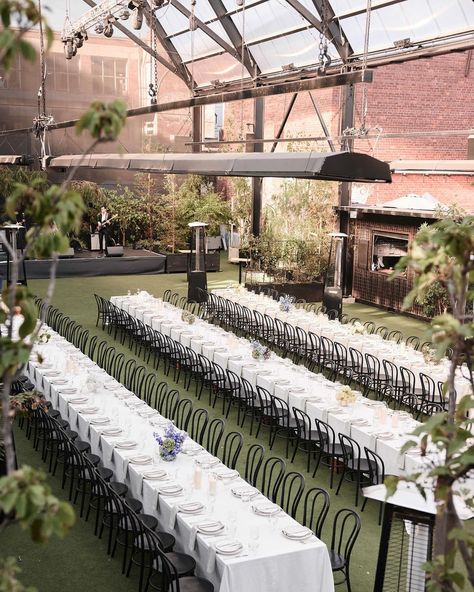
{"x":330,"y":166}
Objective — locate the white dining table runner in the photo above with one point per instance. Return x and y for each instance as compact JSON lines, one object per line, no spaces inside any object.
{"x":92,"y":401}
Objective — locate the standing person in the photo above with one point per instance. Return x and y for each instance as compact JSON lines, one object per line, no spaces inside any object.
{"x":103,"y":226}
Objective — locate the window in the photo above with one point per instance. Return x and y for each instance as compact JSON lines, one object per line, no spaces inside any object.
{"x":213,"y":121}
{"x":62,"y":74}
{"x":387,"y":250}
{"x":109,"y":76}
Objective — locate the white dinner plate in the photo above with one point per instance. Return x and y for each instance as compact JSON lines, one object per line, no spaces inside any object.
{"x":191,"y":507}
{"x":229,"y":548}
{"x":68,"y":391}
{"x":171,"y":489}
{"x":297,"y":532}
{"x":88,"y":410}
{"x":210,"y":527}
{"x":100,"y":420}
{"x":266,"y":509}
{"x":78,"y":400}
{"x":155,"y":475}
{"x":59,"y":381}
{"x":140,"y":459}
{"x":125,"y":444}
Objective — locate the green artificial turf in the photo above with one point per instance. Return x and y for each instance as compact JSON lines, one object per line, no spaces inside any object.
{"x":80,"y":561}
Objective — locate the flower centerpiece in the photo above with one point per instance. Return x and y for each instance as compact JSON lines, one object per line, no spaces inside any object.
{"x":172,"y":442}
{"x":429,"y":355}
{"x":358,"y":329}
{"x":259,"y":351}
{"x":44,"y":337}
{"x":345,"y":396}
{"x":286,"y":303}
{"x":187,"y":317}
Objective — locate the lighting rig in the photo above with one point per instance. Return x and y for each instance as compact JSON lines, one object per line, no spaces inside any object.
{"x":101,"y":18}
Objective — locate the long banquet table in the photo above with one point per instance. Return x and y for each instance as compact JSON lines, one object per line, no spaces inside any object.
{"x":368,"y":422}
{"x":92,"y":401}
{"x":397,"y":353}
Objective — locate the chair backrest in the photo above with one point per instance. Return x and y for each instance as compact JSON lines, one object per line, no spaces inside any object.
{"x":168,"y":403}
{"x":413,"y":341}
{"x":351,"y":452}
{"x":428,"y":388}
{"x":233,"y":443}
{"x":215,"y":430}
{"x":345,"y":530}
{"x":315,"y":509}
{"x":382,"y":331}
{"x":157,"y":394}
{"x":396,"y":336}
{"x":376,"y":467}
{"x":326,"y":436}
{"x":148,"y":386}
{"x":408,"y":380}
{"x":272,"y":474}
{"x":369,"y":327}
{"x":303,"y":423}
{"x":289,"y":492}
{"x":253,"y":463}
{"x":181,"y":413}
{"x":199,"y":421}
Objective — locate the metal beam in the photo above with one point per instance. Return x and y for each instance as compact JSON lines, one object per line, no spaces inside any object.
{"x":338,"y":38}
{"x":283,"y":121}
{"x":241,"y":95}
{"x":375,"y":6}
{"x":202,"y":25}
{"x":323,"y":123}
{"x":234,"y":35}
{"x":140,"y":43}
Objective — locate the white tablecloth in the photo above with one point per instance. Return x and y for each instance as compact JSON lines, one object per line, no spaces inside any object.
{"x":398,"y":354}
{"x":384,"y":432}
{"x":277,"y":565}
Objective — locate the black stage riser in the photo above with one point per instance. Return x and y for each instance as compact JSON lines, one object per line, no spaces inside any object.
{"x":84,"y":267}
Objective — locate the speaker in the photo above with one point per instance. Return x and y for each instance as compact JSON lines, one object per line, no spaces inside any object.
{"x":115,"y":251}
{"x":196,"y":279}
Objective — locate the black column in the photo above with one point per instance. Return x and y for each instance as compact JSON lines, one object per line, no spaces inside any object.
{"x":347,"y":121}
{"x":257,"y":181}
{"x":197,"y":128}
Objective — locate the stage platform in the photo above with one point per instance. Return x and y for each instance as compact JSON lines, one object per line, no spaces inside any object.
{"x":88,"y":264}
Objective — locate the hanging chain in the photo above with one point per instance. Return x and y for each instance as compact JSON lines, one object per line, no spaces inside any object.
{"x":153,"y":85}
{"x":242,"y":74}
{"x":42,"y":88}
{"x":42,"y":122}
{"x":365,"y":98}
{"x":324,"y":57}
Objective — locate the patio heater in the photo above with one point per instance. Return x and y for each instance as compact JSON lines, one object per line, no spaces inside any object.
{"x":14,"y":235}
{"x":406,"y":538}
{"x":197,"y":278}
{"x":332,"y":297}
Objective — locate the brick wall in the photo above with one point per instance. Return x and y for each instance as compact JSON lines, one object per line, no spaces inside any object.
{"x":423,"y":95}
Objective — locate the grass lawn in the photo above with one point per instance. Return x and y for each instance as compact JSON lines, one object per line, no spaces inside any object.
{"x":80,"y":560}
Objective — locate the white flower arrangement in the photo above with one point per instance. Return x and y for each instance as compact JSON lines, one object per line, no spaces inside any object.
{"x":43,"y":337}
{"x":187,"y":317}
{"x":358,"y":329}
{"x":345,"y":396}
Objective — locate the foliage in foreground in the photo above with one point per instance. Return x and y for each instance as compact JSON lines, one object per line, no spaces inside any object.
{"x":444,"y":253}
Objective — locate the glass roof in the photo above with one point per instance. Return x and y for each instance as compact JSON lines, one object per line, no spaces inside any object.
{"x":276,"y":36}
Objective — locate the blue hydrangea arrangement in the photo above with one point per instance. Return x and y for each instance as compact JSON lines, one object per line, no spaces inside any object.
{"x":286,"y":303}
{"x":259,"y":351}
{"x":172,"y":442}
